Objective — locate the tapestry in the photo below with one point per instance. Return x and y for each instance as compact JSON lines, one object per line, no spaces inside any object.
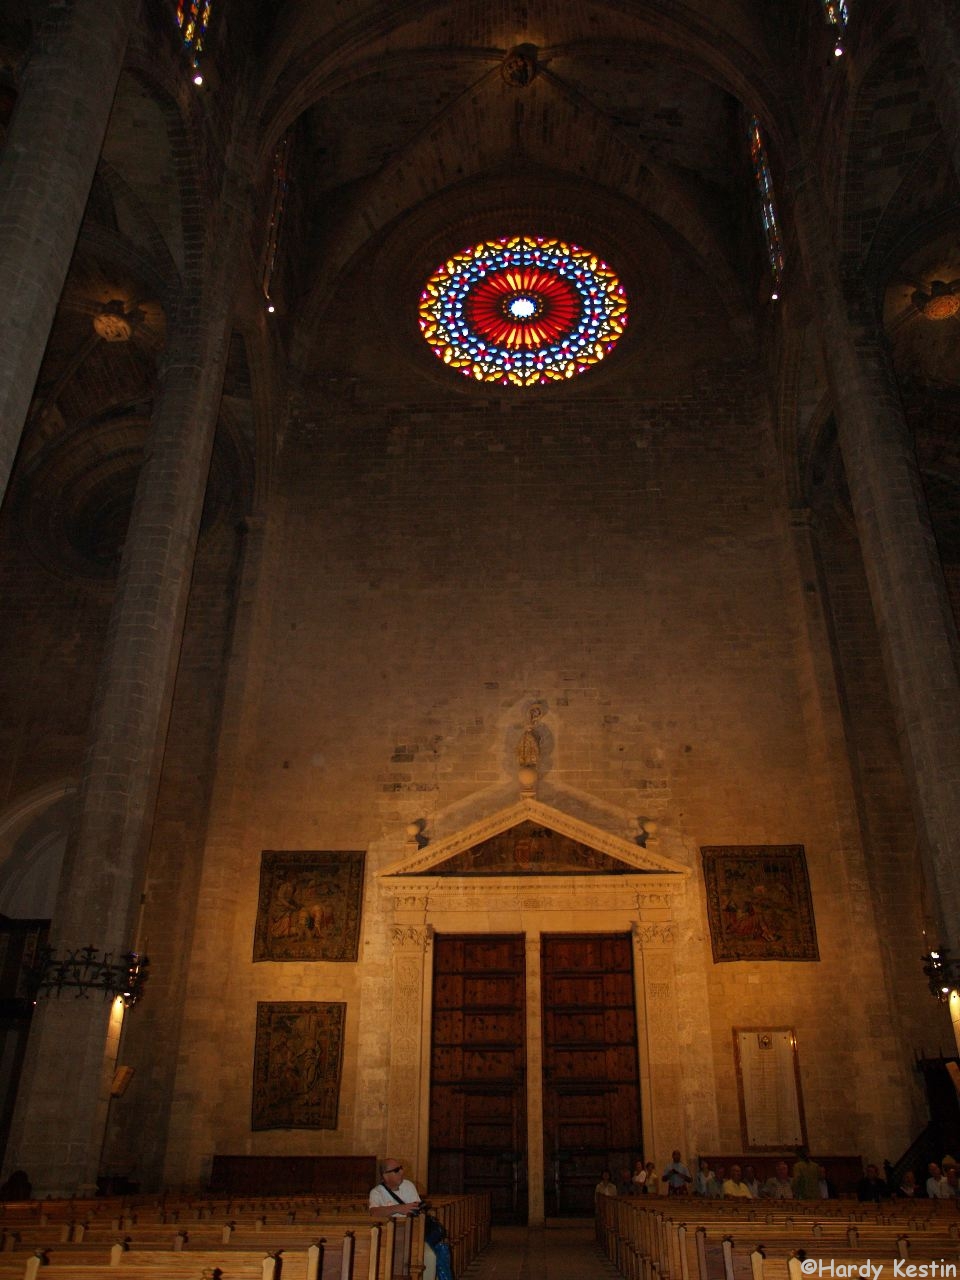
{"x":297,"y":1064}
{"x":309,"y":906}
{"x":758,"y":903}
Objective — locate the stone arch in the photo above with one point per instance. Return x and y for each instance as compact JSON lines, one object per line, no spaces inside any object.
{"x":33,"y":836}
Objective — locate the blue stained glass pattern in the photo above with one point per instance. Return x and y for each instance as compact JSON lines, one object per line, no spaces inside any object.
{"x":522,"y":310}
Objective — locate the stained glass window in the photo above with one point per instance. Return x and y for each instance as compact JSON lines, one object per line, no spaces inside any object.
{"x":836,"y":12}
{"x":192,"y":19}
{"x":278,"y":204}
{"x":768,"y":213}
{"x":523,"y":310}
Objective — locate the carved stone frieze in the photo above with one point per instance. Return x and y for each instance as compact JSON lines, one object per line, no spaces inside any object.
{"x":623,"y":894}
{"x":412,"y":938}
{"x":653,"y":934}
{"x":410,"y":902}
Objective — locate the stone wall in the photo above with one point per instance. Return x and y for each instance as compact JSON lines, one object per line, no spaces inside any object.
{"x":430,"y":569}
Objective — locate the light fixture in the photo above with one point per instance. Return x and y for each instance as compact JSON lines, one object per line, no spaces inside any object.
{"x":86,"y":969}
{"x":111,"y":323}
{"x":774,"y":297}
{"x":943,"y":974}
{"x":939,"y":301}
{"x":838,"y":50}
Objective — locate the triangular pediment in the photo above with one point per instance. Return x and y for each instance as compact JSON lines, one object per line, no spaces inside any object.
{"x":531,"y":839}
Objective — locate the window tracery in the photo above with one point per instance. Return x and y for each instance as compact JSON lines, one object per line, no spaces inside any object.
{"x":768,"y":213}
{"x":523,"y":310}
{"x":192,"y":19}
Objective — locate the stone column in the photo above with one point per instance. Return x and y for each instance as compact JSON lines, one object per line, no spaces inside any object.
{"x":58,"y":1131}
{"x":536,"y":1208}
{"x":46,"y":168}
{"x":409,"y":1046}
{"x":907,"y":589}
{"x":937,"y":24}
{"x":658,"y":1020}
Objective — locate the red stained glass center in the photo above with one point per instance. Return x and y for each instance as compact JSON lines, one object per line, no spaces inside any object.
{"x":555,"y":308}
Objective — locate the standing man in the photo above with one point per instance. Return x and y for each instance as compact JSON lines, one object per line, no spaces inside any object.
{"x":677,"y":1176}
{"x":805,"y":1177}
{"x":395,"y":1196}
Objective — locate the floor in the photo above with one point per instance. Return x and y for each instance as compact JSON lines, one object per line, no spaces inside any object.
{"x":564,"y":1252}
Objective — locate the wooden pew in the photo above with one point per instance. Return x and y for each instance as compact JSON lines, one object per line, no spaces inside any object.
{"x":690,"y":1240}
{"x":330,"y":1238}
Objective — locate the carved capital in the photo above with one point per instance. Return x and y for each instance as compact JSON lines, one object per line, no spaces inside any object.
{"x":645,"y":935}
{"x":412,"y":938}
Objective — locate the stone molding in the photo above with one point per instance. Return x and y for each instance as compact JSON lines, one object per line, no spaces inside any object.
{"x":527,"y":809}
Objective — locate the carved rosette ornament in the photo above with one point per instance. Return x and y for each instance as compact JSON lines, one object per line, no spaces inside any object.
{"x":519,"y":67}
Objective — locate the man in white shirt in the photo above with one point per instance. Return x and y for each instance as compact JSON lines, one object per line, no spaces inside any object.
{"x":395,"y":1196}
{"x":734,"y":1188}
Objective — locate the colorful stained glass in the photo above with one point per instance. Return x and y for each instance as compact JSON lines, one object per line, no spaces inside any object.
{"x":523,"y":310}
{"x":192,"y":19}
{"x":768,"y":213}
{"x":836,"y":12}
{"x":278,"y":204}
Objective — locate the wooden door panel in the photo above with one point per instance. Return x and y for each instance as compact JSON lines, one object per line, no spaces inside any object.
{"x":478,"y":1128}
{"x":591,"y":1095}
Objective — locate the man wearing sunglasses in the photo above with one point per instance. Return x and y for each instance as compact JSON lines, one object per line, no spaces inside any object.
{"x":395,"y":1196}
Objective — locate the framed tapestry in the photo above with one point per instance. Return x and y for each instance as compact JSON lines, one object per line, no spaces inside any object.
{"x":297,"y":1064}
{"x":758,"y":903}
{"x":309,"y":906}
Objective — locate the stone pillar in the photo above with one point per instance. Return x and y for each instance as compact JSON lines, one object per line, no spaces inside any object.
{"x":46,"y":168}
{"x":409,"y":1047}
{"x":937,"y":25}
{"x":58,"y":1132}
{"x":658,"y":1021}
{"x":907,"y":589}
{"x":536,"y":1171}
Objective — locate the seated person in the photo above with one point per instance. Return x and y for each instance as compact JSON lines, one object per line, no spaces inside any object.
{"x":625,"y":1185}
{"x":395,"y":1196}
{"x":606,"y":1186}
{"x":779,"y":1187}
{"x":871,"y":1186}
{"x":734,"y":1188}
{"x":934,"y":1178}
{"x":706,"y":1184}
{"x":750,"y":1178}
{"x":16,"y":1187}
{"x":908,"y":1186}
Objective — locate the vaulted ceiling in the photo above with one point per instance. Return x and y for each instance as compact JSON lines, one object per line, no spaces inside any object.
{"x":414,"y":128}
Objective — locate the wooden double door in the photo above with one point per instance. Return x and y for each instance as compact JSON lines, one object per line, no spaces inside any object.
{"x":590,"y":1111}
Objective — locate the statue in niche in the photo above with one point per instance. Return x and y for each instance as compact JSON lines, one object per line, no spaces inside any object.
{"x":528,"y":748}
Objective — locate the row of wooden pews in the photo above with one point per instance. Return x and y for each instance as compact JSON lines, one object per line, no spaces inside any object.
{"x":691,"y":1239}
{"x":301,"y":1238}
